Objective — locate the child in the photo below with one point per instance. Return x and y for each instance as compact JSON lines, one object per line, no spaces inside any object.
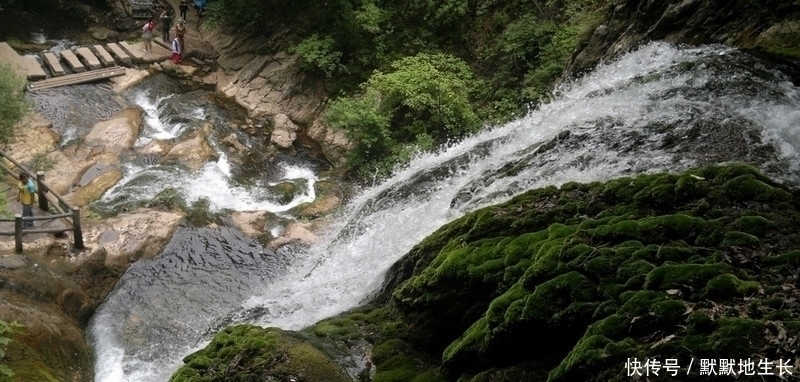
{"x":27,"y":195}
{"x":147,"y":35}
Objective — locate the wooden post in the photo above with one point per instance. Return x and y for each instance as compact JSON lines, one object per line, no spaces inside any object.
{"x":76,"y":224}
{"x":18,"y":232}
{"x":42,"y":192}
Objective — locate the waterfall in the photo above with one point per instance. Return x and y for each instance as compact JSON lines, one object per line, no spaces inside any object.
{"x":660,"y":108}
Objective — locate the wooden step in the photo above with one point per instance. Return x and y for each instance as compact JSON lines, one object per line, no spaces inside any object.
{"x":77,"y":78}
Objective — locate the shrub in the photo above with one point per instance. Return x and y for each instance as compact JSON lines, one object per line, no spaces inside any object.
{"x":423,"y":101}
{"x":13,"y":105}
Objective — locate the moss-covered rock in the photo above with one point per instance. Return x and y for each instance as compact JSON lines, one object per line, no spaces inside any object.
{"x":582,"y":290}
{"x":637,"y":271}
{"x":251,"y":353}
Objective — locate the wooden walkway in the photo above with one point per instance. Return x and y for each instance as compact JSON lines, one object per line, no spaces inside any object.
{"x":81,"y":64}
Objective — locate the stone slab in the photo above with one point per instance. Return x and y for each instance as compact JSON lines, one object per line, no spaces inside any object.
{"x":121,"y":56}
{"x":89,"y":58}
{"x":104,"y":56}
{"x":51,"y":60}
{"x":134,"y":50}
{"x":73,"y":61}
{"x":26,"y":66}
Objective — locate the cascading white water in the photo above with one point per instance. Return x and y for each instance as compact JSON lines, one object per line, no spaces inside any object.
{"x":660,"y":108}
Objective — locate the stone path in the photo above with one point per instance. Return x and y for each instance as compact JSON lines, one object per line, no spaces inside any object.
{"x":81,"y":59}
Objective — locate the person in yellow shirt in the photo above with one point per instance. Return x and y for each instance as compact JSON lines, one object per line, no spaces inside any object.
{"x":27,"y":196}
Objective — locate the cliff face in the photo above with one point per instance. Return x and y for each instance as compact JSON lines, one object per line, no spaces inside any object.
{"x":767,"y":26}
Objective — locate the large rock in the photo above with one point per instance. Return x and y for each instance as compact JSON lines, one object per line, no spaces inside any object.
{"x":251,"y":223}
{"x":105,"y":178}
{"x":118,"y":133}
{"x":126,"y":238}
{"x":34,"y":137}
{"x":73,"y":166}
{"x":284,"y":131}
{"x":334,"y":143}
{"x":295,"y":233}
{"x":193,"y":152}
{"x":132,"y":77}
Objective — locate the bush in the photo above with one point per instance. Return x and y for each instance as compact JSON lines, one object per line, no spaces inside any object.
{"x":422,"y":102}
{"x":13,"y":105}
{"x":319,"y":54}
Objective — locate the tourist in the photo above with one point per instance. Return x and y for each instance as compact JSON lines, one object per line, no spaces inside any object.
{"x":166,"y":25}
{"x":27,"y":195}
{"x":184,"y":8}
{"x":180,"y":31}
{"x":147,"y":35}
{"x":176,"y":51}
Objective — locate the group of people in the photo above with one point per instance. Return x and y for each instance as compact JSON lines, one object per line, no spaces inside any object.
{"x":165,"y":21}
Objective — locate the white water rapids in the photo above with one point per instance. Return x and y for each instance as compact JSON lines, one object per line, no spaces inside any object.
{"x":660,"y":108}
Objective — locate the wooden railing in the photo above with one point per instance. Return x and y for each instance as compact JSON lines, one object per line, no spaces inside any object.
{"x":70,"y":214}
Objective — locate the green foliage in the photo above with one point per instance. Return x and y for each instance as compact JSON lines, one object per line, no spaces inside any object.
{"x":13,"y":104}
{"x":41,"y":162}
{"x":319,"y":54}
{"x":7,"y":329}
{"x":199,"y":213}
{"x":245,"y":15}
{"x":422,"y":102}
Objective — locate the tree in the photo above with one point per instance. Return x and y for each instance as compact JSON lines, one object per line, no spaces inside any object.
{"x":422,"y":102}
{"x":13,"y":104}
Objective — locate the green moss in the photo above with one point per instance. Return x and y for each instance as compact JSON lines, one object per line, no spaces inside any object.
{"x":614,"y":326}
{"x":30,"y":370}
{"x":788,"y":258}
{"x":672,"y":228}
{"x":753,"y":224}
{"x":737,"y":337}
{"x":727,"y":286}
{"x":681,"y":275}
{"x":398,"y":368}
{"x":634,"y":268}
{"x":330,"y":328}
{"x":748,"y":188}
{"x":259,"y":352}
{"x":668,"y":311}
{"x":740,"y":239}
{"x":560,"y":291}
{"x":617,"y":232}
{"x":690,"y":186}
{"x":587,"y":354}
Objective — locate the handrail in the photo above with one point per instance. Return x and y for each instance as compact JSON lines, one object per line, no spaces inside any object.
{"x":61,"y":205}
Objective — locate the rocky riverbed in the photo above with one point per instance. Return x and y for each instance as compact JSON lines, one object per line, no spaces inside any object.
{"x":52,"y":289}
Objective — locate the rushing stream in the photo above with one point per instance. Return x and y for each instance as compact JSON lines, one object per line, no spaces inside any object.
{"x":658,"y":109}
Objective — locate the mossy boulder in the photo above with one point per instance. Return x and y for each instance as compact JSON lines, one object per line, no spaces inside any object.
{"x":582,"y":290}
{"x":635,"y":271}
{"x":252,"y":353}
